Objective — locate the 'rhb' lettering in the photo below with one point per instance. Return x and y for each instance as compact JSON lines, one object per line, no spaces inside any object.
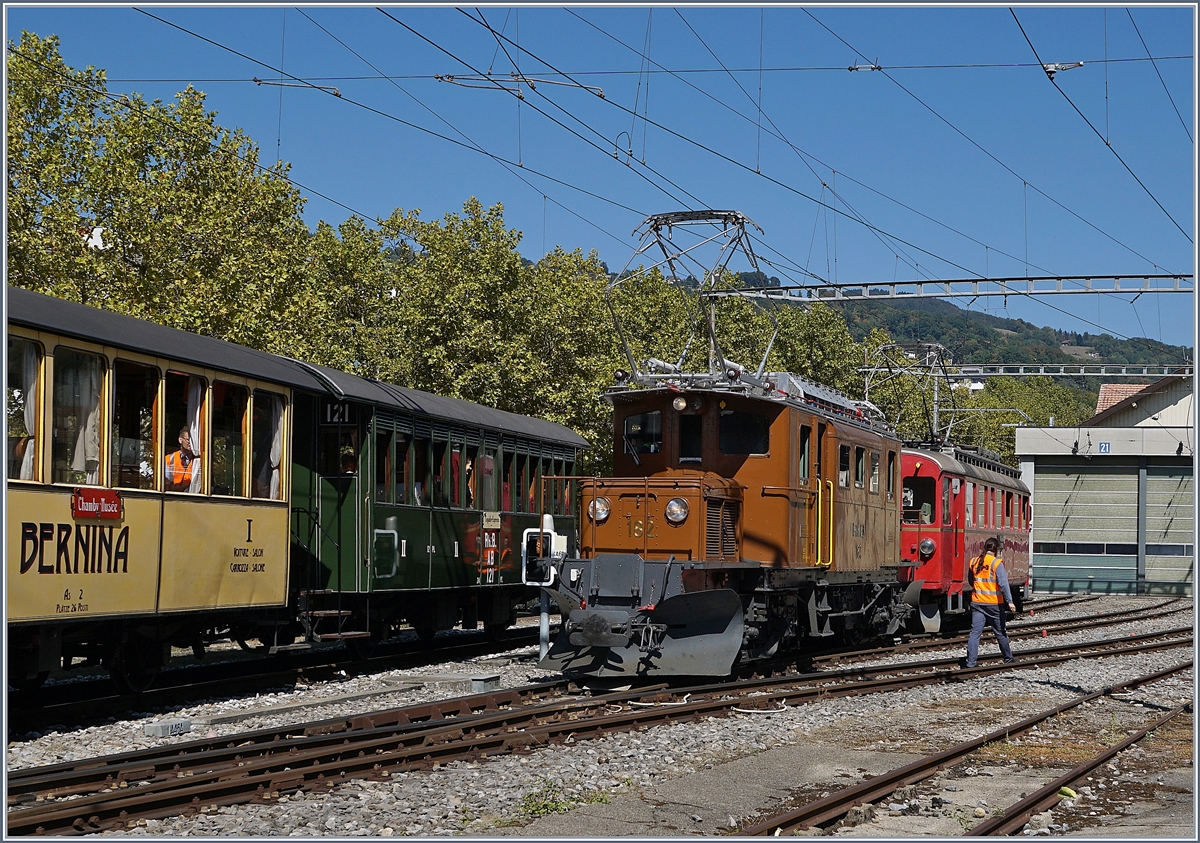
{"x":94,"y":550}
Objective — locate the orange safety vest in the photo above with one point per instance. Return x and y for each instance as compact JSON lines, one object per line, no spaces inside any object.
{"x":181,"y":474}
{"x":983,"y":574}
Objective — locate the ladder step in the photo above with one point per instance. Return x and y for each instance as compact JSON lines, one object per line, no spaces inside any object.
{"x":287,"y":648}
{"x":338,"y":636}
{"x":327,"y":613}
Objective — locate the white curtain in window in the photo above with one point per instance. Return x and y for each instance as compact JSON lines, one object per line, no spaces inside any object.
{"x":30,"y":392}
{"x":276,"y":445}
{"x":195,"y":390}
{"x":87,"y":444}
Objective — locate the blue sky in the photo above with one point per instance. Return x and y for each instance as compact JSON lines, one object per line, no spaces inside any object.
{"x":860,"y":133}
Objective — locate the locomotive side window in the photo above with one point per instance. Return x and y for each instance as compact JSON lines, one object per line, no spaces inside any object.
{"x":860,"y":467}
{"x":945,"y":500}
{"x":229,"y":439}
{"x":691,"y":431}
{"x":744,"y":433}
{"x":75,"y":455}
{"x":383,"y":466}
{"x":643,"y":433}
{"x":266,"y":454}
{"x":805,"y":453}
{"x":183,"y":401}
{"x":919,"y":498}
{"x":134,"y":435}
{"x":970,"y":504}
{"x":874,"y":474}
{"x":844,"y":465}
{"x":24,"y":409}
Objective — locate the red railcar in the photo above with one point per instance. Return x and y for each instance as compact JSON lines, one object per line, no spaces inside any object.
{"x":954,"y":498}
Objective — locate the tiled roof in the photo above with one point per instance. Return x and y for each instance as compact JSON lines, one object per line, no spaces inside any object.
{"x":1115,"y":393}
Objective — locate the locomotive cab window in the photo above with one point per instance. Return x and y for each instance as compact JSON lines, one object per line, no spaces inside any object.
{"x":844,"y":465}
{"x":134,"y":426}
{"x":744,"y":433}
{"x":875,"y":474}
{"x":23,"y":408}
{"x":891,"y":475}
{"x":918,"y":500}
{"x":75,"y":455}
{"x":229,"y":439}
{"x":691,"y":431}
{"x":643,"y":433}
{"x":805,"y":453}
{"x":183,"y":401}
{"x":266,"y":434}
{"x":945,"y":500}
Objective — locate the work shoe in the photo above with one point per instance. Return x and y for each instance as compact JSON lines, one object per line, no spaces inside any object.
{"x":1010,"y":661}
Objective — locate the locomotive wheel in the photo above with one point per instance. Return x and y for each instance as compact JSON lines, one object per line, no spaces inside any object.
{"x":494,"y":633}
{"x":134,"y":665}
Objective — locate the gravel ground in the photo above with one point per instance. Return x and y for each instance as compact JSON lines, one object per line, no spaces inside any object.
{"x":532,"y":795}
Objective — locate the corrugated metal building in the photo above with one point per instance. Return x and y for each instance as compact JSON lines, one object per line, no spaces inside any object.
{"x":1113,"y":499}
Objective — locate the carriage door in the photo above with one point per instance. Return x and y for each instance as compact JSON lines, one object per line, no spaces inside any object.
{"x":338,"y":458}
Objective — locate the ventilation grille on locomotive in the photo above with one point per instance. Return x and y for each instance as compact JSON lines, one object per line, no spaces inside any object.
{"x":721,"y":532}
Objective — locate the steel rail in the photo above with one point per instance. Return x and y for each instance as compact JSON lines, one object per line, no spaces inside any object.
{"x":1016,"y":815}
{"x":312,"y":764}
{"x":836,"y":804}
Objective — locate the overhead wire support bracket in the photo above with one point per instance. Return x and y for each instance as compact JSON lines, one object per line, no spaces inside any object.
{"x":492,"y":83}
{"x":329,"y":89}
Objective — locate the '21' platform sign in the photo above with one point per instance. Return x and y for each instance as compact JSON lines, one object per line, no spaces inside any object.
{"x":1105,"y":448}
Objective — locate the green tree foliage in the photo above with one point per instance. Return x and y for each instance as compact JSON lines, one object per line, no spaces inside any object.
{"x":147,"y":208}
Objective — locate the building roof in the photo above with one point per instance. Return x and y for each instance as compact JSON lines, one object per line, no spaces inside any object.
{"x":1140,"y":390}
{"x":70,"y":319}
{"x":1115,"y":393}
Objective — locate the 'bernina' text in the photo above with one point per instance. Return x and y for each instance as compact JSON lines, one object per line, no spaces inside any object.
{"x":94,"y":550}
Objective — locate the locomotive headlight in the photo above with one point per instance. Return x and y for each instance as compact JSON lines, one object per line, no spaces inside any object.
{"x":676,"y":510}
{"x":599,"y":509}
{"x":927,"y":548}
{"x":680,"y":403}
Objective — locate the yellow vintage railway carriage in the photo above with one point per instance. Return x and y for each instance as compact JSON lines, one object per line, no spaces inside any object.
{"x":146,"y":472}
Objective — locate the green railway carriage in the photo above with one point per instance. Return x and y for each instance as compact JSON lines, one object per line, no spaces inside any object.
{"x":315,"y":505}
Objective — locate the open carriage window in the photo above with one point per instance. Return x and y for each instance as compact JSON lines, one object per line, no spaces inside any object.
{"x":75,"y":455}
{"x":134,"y":417}
{"x":919,"y":499}
{"x":643,"y":433}
{"x":184,"y":440}
{"x":23,"y":408}
{"x":266,"y":433}
{"x":229,"y":439}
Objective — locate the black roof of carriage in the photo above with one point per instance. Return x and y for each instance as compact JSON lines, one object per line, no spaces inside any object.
{"x":59,"y":316}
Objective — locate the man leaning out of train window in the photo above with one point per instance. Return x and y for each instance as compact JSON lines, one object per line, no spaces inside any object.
{"x":183,"y":467}
{"x":989,"y":583}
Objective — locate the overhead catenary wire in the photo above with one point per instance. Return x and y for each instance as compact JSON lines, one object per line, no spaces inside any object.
{"x":979,"y":146}
{"x":1110,"y":147}
{"x":507,"y":166}
{"x":1182,"y":122}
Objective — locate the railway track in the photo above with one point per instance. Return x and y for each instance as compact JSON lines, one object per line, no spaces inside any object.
{"x":115,"y":792}
{"x":834,"y":806}
{"x":86,"y":702}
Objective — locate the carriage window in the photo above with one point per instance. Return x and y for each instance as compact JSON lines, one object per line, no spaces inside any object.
{"x":805,"y":452}
{"x":135,"y":390}
{"x":875,"y":473}
{"x":844,"y":465}
{"x":400,"y":464}
{"x":24,"y":409}
{"x":228,"y":439}
{"x":969,"y":501}
{"x":643,"y":433}
{"x":690,"y":434}
{"x":383,"y":466}
{"x":75,"y":454}
{"x":487,"y":487}
{"x":266,"y":455}
{"x":456,"y":474}
{"x":520,"y":484}
{"x":506,"y":473}
{"x":471,"y":476}
{"x":1008,"y":513}
{"x":918,"y":500}
{"x":860,"y":467}
{"x":421,"y":479}
{"x":945,"y":500}
{"x":437,"y":480}
{"x":183,"y":401}
{"x":744,"y":433}
{"x":981,"y":500}
{"x":891,"y":474}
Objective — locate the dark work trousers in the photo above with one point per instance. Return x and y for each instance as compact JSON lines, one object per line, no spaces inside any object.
{"x":990,"y":615}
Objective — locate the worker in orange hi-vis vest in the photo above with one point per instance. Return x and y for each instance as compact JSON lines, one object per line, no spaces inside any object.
{"x":989,"y":584}
{"x":182,"y":464}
